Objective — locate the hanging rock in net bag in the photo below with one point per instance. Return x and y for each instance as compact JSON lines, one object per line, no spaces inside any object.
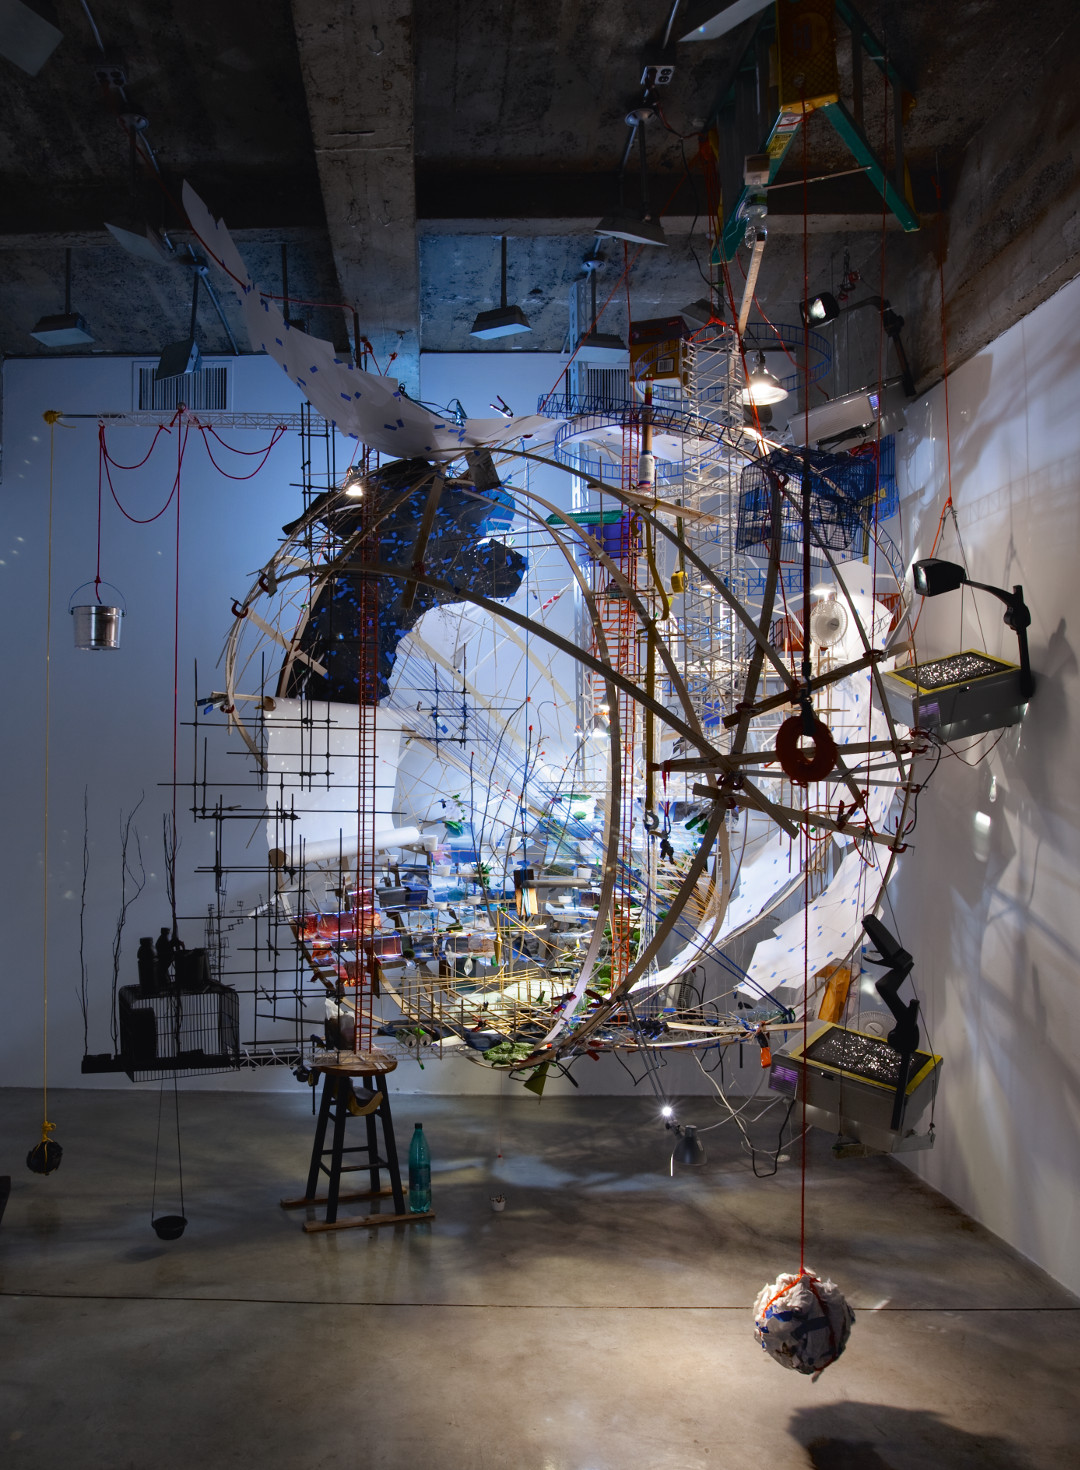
{"x":45,"y":1156}
{"x":802,"y":1322}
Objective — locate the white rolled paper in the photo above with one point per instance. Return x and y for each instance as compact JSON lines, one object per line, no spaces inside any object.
{"x":340,"y":850}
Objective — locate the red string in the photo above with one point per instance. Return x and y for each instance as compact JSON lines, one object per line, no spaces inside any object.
{"x":278,"y":432}
{"x":248,"y":453}
{"x":181,"y":445}
{"x":137,"y":466}
{"x":105,"y":462}
{"x":806,"y":1011}
{"x":806,"y":656}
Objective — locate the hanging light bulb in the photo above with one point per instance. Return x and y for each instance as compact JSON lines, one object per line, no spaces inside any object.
{"x":762,"y":387}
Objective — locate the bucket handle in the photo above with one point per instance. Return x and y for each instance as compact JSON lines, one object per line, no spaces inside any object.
{"x":121,"y":603}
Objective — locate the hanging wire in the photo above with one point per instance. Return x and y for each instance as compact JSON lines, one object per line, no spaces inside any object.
{"x":51,"y":417}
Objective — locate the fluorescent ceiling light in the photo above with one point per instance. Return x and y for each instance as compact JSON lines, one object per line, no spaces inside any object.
{"x":712,"y":21}
{"x":504,"y":321}
{"x":65,"y":330}
{"x":603,"y":349}
{"x":26,"y":38}
{"x":632,"y":228}
{"x":145,"y":243}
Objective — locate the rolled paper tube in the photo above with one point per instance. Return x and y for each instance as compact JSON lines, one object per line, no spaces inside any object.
{"x":340,"y":850}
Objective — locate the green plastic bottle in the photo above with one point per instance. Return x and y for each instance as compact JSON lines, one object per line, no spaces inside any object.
{"x":419,"y":1173}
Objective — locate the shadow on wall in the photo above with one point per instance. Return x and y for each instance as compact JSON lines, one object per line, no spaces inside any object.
{"x":1045,"y":741}
{"x":854,"y":1436}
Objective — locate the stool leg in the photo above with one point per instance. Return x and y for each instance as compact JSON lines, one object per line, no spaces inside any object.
{"x":320,"y":1138}
{"x":393,"y":1168}
{"x":342,"y":1088}
{"x":376,"y":1084}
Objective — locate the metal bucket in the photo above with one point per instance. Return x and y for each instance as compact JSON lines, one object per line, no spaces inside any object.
{"x":97,"y":623}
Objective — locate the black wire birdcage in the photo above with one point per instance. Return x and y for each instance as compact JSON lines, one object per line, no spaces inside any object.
{"x":841,"y":495}
{"x":178,"y":1033}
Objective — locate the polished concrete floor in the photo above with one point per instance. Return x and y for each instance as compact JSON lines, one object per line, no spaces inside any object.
{"x":601,"y":1322}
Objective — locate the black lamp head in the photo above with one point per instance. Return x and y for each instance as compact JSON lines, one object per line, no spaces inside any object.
{"x":932,"y":576}
{"x":817,"y":310}
{"x":689,"y":1149}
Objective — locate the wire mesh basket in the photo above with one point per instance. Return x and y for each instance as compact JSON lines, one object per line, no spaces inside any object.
{"x":841,"y":493}
{"x":179,"y":1033}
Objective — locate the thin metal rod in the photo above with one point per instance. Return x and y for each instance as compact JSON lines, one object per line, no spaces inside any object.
{"x":645,"y":214}
{"x":221,"y":315}
{"x":623,"y":161}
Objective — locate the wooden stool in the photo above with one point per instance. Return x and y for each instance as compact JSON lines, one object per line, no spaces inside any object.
{"x":338,"y":1070}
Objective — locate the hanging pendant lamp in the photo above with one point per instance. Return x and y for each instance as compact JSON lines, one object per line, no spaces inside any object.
{"x":504,"y":321}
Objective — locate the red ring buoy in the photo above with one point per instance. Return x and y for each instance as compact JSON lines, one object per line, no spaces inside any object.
{"x":802,"y":766}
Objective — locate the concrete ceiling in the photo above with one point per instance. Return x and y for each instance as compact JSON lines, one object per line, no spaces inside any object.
{"x":388,"y":143}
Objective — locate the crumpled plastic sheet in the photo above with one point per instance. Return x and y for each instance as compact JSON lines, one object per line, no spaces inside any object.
{"x":802,"y":1322}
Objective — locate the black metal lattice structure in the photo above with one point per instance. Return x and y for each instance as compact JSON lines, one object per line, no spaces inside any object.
{"x":842,"y":491}
{"x":180,"y":1032}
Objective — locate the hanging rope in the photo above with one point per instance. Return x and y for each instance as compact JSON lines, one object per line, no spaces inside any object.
{"x":278,"y":432}
{"x":106,"y":461}
{"x":46,"y":1156}
{"x":169,"y":1227}
{"x":181,"y":445}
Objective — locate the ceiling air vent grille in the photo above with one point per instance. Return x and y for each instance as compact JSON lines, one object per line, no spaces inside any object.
{"x":206,"y":389}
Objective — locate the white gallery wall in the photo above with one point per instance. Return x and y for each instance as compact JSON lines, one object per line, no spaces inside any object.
{"x":988,"y":899}
{"x":111,"y":722}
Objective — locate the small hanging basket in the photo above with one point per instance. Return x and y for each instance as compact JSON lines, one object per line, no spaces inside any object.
{"x":169,"y":1227}
{"x":97,"y":619}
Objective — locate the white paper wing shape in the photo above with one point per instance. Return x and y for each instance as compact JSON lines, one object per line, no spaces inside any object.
{"x":362,"y":405}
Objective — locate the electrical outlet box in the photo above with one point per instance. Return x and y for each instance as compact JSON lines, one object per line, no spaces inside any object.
{"x":658,"y":75}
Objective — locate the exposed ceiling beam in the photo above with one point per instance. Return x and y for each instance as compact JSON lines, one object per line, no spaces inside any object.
{"x":356,"y":60}
{"x":475,"y":201}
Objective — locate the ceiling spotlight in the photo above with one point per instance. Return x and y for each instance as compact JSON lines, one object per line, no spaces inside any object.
{"x":762,"y":388}
{"x":504,"y":321}
{"x":818,"y":310}
{"x":66,"y":329}
{"x":689,"y":1149}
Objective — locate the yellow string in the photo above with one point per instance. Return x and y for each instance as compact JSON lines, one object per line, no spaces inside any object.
{"x":51,"y":417}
